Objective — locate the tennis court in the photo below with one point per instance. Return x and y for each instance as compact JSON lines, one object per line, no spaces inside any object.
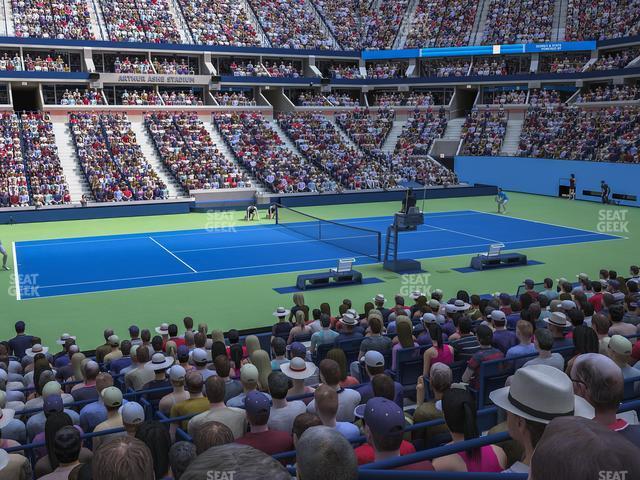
{"x":70,"y":266}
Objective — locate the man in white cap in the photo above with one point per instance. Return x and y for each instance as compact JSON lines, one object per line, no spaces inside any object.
{"x":132,"y":417}
{"x":112,"y":400}
{"x":115,"y":353}
{"x":177,"y":375}
{"x":379,"y":302}
{"x":199,"y":359}
{"x":536,"y":396}
{"x":619,"y":351}
{"x":282,"y":328}
{"x":374,"y":366}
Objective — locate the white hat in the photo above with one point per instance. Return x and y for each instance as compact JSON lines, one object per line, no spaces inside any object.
{"x":498,"y":316}
{"x":163,"y":329}
{"x":428,"y":318}
{"x":64,"y":337}
{"x":176,"y":373}
{"x":6,"y":415}
{"x":379,"y":298}
{"x":199,"y":355}
{"x":159,"y":362}
{"x":281,"y":312}
{"x":461,"y":305}
{"x":36,"y":349}
{"x":132,"y":413}
{"x":348,"y":319}
{"x":568,"y":305}
{"x":541,"y":393}
{"x":298,"y":369}
{"x":415,"y":294}
{"x":582,"y":276}
{"x":558,"y":319}
{"x":449,"y":308}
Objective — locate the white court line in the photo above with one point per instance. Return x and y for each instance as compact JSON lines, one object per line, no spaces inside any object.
{"x":173,"y":255}
{"x":223,"y":229}
{"x":95,"y":292}
{"x":15,"y":271}
{"x":467,"y":234}
{"x":547,"y":223}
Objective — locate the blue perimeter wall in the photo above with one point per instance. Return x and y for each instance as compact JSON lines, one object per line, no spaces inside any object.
{"x":542,"y":176}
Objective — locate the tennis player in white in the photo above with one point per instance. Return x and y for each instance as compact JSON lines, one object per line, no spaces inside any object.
{"x":4,"y":257}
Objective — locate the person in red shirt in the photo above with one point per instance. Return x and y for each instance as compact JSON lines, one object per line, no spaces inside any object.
{"x":173,"y":335}
{"x":596,"y":299}
{"x":258,"y":407}
{"x":384,"y":429}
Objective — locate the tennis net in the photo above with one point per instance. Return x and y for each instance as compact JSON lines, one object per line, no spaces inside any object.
{"x":362,"y":241}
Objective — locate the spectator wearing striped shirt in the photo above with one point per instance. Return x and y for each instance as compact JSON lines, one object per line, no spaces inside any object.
{"x":466,"y":344}
{"x":486,"y":353}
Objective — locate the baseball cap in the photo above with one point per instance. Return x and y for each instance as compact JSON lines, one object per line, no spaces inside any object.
{"x":373,"y":358}
{"x":383,"y":416}
{"x":132,"y":413}
{"x":568,"y":305}
{"x":53,"y":403}
{"x":51,"y":388}
{"x":112,"y":397}
{"x":199,"y":356}
{"x":621,"y":345}
{"x":529,"y":282}
{"x":449,"y":308}
{"x":177,"y":373}
{"x":582,"y":276}
{"x":249,"y":373}
{"x":298,"y":349}
{"x":498,"y":316}
{"x":114,"y":341}
{"x":434,"y":304}
{"x":256,"y":402}
{"x":428,"y":317}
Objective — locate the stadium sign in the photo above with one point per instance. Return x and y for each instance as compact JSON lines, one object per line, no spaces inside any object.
{"x":152,"y":79}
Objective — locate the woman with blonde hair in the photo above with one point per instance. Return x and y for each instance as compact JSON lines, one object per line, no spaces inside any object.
{"x":298,"y":304}
{"x":405,"y":339}
{"x":300,"y":329}
{"x":338,"y":355}
{"x":76,"y":363}
{"x":261,"y":360}
{"x":171,"y":349}
{"x":252,"y":343}
{"x":217,"y":336}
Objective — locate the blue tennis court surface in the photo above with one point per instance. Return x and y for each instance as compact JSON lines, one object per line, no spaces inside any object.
{"x":48,"y":268}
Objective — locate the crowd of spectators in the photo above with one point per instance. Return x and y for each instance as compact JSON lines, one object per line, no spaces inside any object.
{"x":544,"y":96}
{"x":442,"y":24}
{"x":510,"y":97}
{"x":483,"y":132}
{"x":186,"y":148}
{"x":140,"y":21}
{"x":182,"y":97}
{"x":368,"y":130}
{"x":260,"y":149}
{"x":569,"y":351}
{"x":446,"y":67}
{"x":143,"y":97}
{"x":172,"y":67}
{"x":312,"y":99}
{"x":46,"y":179}
{"x":390,"y":99}
{"x":13,"y":182}
{"x":518,"y":21}
{"x":46,"y":64}
{"x":494,"y":65}
{"x":234,"y":99}
{"x":574,"y":133}
{"x":567,"y":63}
{"x":223,"y":22}
{"x":386,"y":70}
{"x":137,"y":65}
{"x":614,"y":60}
{"x":61,"y":19}
{"x":383,"y":23}
{"x":343,"y":99}
{"x":112,"y":160}
{"x":247,"y":69}
{"x":87,"y":96}
{"x":344,"y":71}
{"x":10,"y":61}
{"x":321,"y":143}
{"x":290,"y":24}
{"x":345,"y":19}
{"x":282,"y":69}
{"x":600,"y":19}
{"x":610,"y":93}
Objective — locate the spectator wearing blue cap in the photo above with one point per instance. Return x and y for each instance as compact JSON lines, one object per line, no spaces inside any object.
{"x":258,"y":409}
{"x":384,"y":428}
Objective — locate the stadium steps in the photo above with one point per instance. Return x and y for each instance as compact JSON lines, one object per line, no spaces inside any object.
{"x":253,"y":18}
{"x":217,"y":138}
{"x":183,"y":27}
{"x":324,"y":27}
{"x":346,"y":139}
{"x":151,"y":155}
{"x":559,"y":20}
{"x":454,"y":128}
{"x":6,"y":25}
{"x":405,"y":27}
{"x":390,"y":142}
{"x":512,"y":137}
{"x":73,"y":173}
{"x":477,"y":34}
{"x":97,"y":20}
{"x":284,"y":137}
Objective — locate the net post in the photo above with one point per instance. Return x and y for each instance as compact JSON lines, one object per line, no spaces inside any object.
{"x":278,"y":213}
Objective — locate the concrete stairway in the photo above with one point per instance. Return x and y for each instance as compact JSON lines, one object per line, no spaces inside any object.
{"x":183,"y":28}
{"x":389,"y":144}
{"x":343,"y":135}
{"x":405,"y":27}
{"x":97,"y":20}
{"x":284,"y":137}
{"x":512,"y":137}
{"x":559,"y":20}
{"x":454,"y":128}
{"x":6,"y":19}
{"x":76,"y":180}
{"x":151,"y":155}
{"x":477,"y":34}
{"x":218,"y":139}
